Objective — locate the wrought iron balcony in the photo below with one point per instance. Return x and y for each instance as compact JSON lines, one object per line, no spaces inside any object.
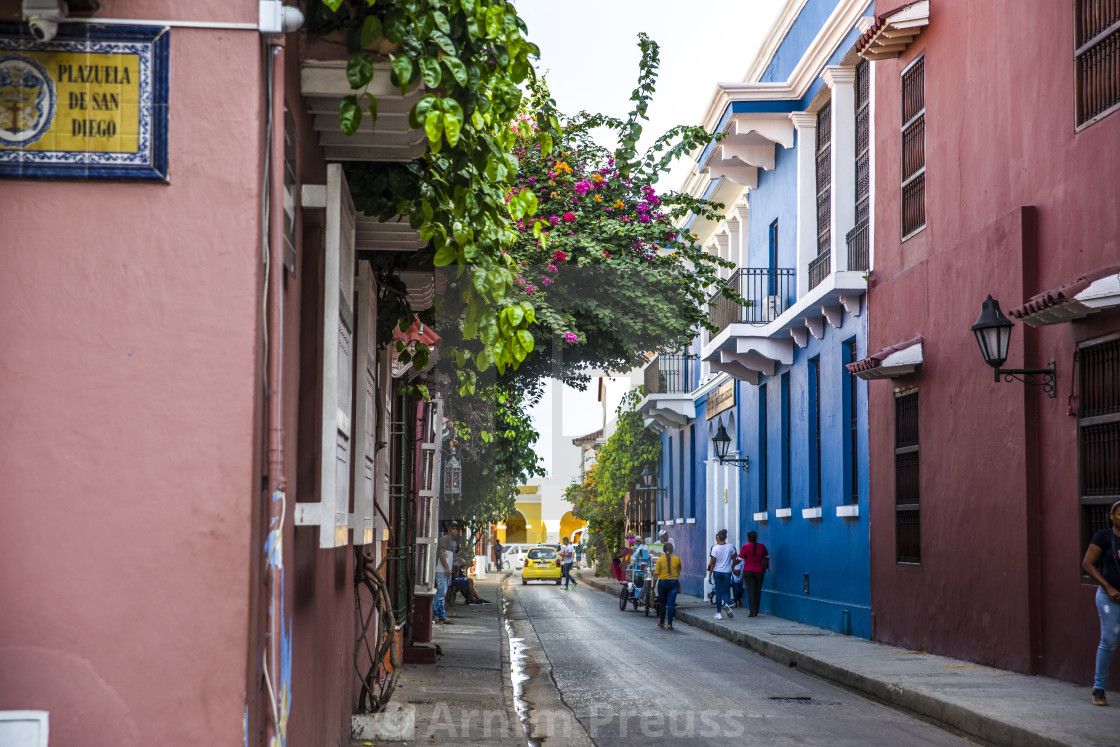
{"x":768,"y":292}
{"x":819,"y":269}
{"x":672,"y":373}
{"x":859,"y":246}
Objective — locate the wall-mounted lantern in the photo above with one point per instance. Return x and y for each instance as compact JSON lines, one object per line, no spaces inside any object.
{"x":993,"y":335}
{"x":453,"y":475}
{"x":722,"y":442}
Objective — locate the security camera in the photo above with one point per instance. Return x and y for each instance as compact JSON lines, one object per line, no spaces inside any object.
{"x":43,"y":29}
{"x":43,"y":17}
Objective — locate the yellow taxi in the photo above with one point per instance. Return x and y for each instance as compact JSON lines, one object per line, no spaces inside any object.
{"x":541,"y":563}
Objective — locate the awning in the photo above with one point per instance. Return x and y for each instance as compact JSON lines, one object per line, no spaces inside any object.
{"x":1086,"y":295}
{"x":897,"y":360}
{"x":892,"y":32}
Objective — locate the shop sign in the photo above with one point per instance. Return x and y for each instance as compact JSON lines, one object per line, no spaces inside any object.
{"x":721,"y":398}
{"x":89,"y":104}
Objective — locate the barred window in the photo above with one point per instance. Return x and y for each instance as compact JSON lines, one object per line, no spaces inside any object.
{"x":851,"y":414}
{"x":821,"y":266}
{"x":1098,"y":433}
{"x":914,"y":148}
{"x":1097,"y":59}
{"x":907,"y":535}
{"x":763,"y":456}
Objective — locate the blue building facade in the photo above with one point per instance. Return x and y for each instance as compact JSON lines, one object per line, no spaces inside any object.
{"x":793,"y":172}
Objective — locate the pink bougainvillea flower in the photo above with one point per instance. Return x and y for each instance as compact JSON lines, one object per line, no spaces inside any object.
{"x":552,"y":268}
{"x":583,"y":187}
{"x":545,"y":280}
{"x":607,"y":254}
{"x":559,"y":257}
{"x":553,"y":219}
{"x":569,"y":217}
{"x":530,"y":289}
{"x":571,"y":337}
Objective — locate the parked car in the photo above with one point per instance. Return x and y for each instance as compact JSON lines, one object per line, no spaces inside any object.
{"x":513,"y":556}
{"x":541,"y":563}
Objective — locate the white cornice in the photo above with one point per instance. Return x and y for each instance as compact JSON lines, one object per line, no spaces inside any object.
{"x":839,"y":24}
{"x":782,"y":24}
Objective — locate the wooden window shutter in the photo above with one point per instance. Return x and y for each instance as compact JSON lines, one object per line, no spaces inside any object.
{"x":365,"y":409}
{"x":331,"y":514}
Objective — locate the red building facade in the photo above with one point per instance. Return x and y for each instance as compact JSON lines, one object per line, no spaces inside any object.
{"x":995,"y":172}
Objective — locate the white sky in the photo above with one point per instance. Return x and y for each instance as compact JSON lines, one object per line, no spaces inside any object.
{"x":589,"y":51}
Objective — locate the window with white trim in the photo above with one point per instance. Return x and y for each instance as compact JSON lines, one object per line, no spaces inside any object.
{"x":914,"y":148}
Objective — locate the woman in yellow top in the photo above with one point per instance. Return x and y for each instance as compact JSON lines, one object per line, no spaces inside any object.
{"x":668,"y":571}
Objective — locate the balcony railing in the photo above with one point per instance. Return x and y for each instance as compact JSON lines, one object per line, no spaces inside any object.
{"x":768,"y":292}
{"x":672,"y":373}
{"x":859,"y":247}
{"x":819,"y":269}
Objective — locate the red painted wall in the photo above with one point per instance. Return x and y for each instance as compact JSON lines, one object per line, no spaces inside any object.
{"x":1017,"y":202}
{"x":128,"y":381}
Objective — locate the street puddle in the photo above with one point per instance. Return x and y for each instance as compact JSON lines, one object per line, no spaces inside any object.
{"x":518,"y":675}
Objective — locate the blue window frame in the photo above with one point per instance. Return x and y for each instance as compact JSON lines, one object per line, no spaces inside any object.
{"x":815,"y":429}
{"x":786,"y":443}
{"x":691,"y":467}
{"x":763,"y":459}
{"x":851,"y":419}
{"x":773,"y":258}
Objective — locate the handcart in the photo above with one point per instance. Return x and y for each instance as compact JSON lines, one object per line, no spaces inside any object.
{"x":638,"y":588}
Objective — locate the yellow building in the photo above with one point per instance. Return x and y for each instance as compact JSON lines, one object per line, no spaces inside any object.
{"x":524,"y":525}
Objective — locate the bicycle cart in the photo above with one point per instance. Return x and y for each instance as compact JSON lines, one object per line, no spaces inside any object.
{"x":638,"y":589}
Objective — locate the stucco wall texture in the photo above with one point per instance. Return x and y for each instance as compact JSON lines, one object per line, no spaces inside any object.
{"x":128,"y":377}
{"x":1017,"y":202}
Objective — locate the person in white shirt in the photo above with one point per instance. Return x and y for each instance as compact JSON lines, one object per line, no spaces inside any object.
{"x":719,"y":573}
{"x":567,"y":556}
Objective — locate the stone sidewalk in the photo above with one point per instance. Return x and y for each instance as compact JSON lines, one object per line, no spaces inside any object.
{"x":466,"y":697}
{"x":995,"y":706}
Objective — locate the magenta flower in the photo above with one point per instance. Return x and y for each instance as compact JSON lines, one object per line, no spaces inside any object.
{"x":568,"y":217}
{"x":530,"y":289}
{"x":571,"y":337}
{"x":583,"y":187}
{"x":559,"y":257}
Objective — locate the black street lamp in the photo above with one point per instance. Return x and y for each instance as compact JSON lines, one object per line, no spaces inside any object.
{"x":647,"y":478}
{"x":722,"y":442}
{"x":993,"y":335}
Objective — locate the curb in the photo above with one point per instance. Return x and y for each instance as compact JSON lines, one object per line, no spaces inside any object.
{"x":892,"y":694}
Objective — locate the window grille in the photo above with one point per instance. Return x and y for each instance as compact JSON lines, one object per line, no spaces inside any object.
{"x":853,"y":423}
{"x":1098,"y":433}
{"x":762,"y":455}
{"x":908,"y":548}
{"x":858,"y":239}
{"x":786,"y":425}
{"x":820,"y":267}
{"x":914,"y":148}
{"x":1097,"y":59}
{"x":815,"y":409}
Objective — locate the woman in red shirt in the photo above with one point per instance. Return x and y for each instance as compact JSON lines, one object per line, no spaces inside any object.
{"x":756,"y":561}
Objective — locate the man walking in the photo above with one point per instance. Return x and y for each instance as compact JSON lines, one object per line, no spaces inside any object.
{"x":719,"y":573}
{"x":498,"y":555}
{"x":567,"y":556}
{"x":445,"y":558}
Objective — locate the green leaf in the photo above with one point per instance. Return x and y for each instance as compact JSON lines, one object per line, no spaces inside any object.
{"x":525,"y":337}
{"x":433,"y":126}
{"x":396,"y":25}
{"x":530,"y":312}
{"x":429,"y":70}
{"x":420,"y":111}
{"x":372,"y":108}
{"x":445,"y":256}
{"x":494,"y":21}
{"x":440,"y":39}
{"x":359,"y":69}
{"x":457,"y":69}
{"x":471,"y":252}
{"x":531,"y":202}
{"x":453,"y":123}
{"x":349,"y":114}
{"x":546,"y":143}
{"x":441,"y":21}
{"x":333,"y":4}
{"x":482,"y":360}
{"x":371,"y":30}
{"x":402,"y":68}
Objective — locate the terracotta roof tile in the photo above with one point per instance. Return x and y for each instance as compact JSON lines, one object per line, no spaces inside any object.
{"x":876,"y":359}
{"x":1062,"y":293}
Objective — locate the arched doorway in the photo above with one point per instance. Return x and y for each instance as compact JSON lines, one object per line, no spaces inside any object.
{"x":517,"y":529}
{"x":569,"y":525}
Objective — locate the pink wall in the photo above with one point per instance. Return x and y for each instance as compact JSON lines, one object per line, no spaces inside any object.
{"x":128,"y":380}
{"x":999,"y":581}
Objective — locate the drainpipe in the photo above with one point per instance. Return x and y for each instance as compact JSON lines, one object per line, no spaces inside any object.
{"x":275,"y":732}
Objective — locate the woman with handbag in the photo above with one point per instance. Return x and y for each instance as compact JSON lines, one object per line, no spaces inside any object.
{"x":756,"y":561}
{"x":1105,"y":549}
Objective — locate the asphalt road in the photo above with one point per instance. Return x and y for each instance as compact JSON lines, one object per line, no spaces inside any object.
{"x":598,"y":676}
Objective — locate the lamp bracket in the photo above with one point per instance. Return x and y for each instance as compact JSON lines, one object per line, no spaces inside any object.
{"x":1026,"y":375}
{"x":743,"y":463}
